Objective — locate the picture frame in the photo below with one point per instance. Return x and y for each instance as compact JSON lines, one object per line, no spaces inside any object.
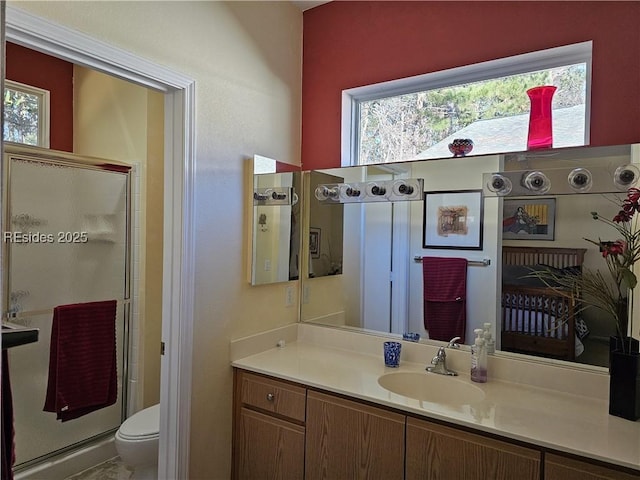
{"x":453,"y":220}
{"x":529,"y":219}
{"x":314,"y":242}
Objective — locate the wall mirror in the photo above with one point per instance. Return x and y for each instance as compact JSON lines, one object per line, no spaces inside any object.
{"x":275,"y":222}
{"x":325,"y":227}
{"x":381,"y":287}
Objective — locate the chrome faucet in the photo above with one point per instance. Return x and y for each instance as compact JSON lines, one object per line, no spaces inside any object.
{"x":439,"y":362}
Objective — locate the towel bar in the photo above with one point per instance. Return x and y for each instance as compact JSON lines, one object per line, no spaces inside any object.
{"x":485,"y":262}
{"x":33,"y":313}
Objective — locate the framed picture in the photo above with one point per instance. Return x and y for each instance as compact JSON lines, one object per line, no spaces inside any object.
{"x":529,"y":219}
{"x":453,"y":220}
{"x":314,"y":242}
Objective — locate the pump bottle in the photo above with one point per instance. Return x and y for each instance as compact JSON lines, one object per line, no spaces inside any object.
{"x":489,"y":343}
{"x":478,"y":358}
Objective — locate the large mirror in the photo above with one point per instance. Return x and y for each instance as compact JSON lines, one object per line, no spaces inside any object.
{"x":381,"y":288}
{"x":275,"y":222}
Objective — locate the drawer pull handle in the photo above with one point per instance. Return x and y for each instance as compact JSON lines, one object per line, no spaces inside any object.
{"x":271,"y":397}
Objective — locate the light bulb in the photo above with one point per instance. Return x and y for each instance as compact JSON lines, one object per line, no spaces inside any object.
{"x":537,"y":182}
{"x":500,"y":184}
{"x":580,"y":180}
{"x":401,"y":187}
{"x":625,"y":176}
{"x":376,"y":190}
{"x":350,"y":192}
{"x":323,"y":193}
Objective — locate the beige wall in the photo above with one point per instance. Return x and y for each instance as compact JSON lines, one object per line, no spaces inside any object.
{"x":119,"y":120}
{"x":246,"y":60}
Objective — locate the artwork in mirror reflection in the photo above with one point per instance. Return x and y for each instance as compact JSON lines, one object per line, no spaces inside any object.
{"x":381,"y":288}
{"x":275,"y":246}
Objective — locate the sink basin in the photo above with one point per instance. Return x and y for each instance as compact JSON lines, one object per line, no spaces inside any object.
{"x":431,"y":387}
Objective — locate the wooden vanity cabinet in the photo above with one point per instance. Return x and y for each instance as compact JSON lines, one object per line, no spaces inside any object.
{"x":557,"y":467}
{"x":350,"y":440}
{"x":285,"y":431}
{"x":437,"y":451}
{"x":269,"y":432}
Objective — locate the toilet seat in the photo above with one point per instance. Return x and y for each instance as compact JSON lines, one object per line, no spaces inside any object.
{"x":143,"y":425}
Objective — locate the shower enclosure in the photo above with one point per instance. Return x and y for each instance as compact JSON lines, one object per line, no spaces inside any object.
{"x":67,"y":239}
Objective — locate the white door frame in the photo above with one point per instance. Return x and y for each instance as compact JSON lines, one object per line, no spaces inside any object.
{"x":59,"y":41}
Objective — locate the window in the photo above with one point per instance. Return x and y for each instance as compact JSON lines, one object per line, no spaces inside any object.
{"x":26,"y":114}
{"x":417,"y":117}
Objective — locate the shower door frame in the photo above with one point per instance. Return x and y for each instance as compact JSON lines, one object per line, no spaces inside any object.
{"x":53,"y":39}
{"x":56,"y":158}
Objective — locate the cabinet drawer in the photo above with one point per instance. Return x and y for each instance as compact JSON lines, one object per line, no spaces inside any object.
{"x":273,"y":396}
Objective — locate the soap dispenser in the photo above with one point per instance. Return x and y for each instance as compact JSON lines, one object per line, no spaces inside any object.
{"x":478,"y":358}
{"x":489,"y":342}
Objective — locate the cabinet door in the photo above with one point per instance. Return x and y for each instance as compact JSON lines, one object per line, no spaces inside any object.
{"x":348,"y":440}
{"x":439,"y":452}
{"x":268,"y":447}
{"x":562,"y":468}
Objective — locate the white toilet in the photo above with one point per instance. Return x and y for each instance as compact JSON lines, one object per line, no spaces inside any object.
{"x":137,"y":443}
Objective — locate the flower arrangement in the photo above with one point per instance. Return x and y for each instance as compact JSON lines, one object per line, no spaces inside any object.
{"x":609,"y":290}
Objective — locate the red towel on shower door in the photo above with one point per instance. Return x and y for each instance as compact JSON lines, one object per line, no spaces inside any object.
{"x":82,"y":359}
{"x":445,"y":297}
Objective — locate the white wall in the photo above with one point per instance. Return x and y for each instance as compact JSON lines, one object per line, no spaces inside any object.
{"x":246,"y":60}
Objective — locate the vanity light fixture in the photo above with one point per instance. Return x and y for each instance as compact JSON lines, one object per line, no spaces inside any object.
{"x":380,"y":191}
{"x":625,"y":176}
{"x":580,"y":180}
{"x":500,"y":184}
{"x":536,"y":182}
{"x":272,"y":196}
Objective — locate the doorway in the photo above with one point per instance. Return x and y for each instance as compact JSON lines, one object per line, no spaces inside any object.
{"x":177,"y":311}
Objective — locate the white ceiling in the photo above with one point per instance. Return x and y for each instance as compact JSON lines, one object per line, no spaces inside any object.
{"x":307,"y":4}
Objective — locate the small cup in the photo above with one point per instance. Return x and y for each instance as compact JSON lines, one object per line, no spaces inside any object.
{"x":411,"y":337}
{"x":392,"y":354}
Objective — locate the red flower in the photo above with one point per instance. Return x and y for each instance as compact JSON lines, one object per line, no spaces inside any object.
{"x":613,"y":248}
{"x":630,"y":205}
{"x":623,"y":216}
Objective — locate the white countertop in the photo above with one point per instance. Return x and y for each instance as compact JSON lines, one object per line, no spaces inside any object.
{"x":561,"y":421}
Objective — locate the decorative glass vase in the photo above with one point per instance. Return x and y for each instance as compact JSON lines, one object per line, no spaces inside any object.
{"x":540,"y":125}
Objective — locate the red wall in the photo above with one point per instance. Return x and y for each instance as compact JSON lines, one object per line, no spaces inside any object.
{"x":349,"y":44}
{"x":36,"y":69}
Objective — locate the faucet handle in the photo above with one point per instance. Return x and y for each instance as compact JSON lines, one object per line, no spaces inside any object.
{"x":453,"y":343}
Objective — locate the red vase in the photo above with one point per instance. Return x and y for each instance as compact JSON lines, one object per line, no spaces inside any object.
{"x":540,"y":126}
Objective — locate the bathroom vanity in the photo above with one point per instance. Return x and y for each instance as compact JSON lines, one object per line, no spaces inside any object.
{"x":308,"y":411}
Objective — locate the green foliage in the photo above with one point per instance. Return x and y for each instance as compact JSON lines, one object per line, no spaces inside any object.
{"x":21,"y":112}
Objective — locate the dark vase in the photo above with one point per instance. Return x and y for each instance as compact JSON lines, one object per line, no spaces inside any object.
{"x":624,"y":384}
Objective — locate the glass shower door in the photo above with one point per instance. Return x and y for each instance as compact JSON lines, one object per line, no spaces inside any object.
{"x":67,"y":240}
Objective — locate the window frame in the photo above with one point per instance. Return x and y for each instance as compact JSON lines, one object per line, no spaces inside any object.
{"x":44,"y":109}
{"x":502,"y":67}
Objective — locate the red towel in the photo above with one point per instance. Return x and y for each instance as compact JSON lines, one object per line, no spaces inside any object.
{"x":8,"y":449}
{"x":445,"y":297}
{"x":82,"y":359}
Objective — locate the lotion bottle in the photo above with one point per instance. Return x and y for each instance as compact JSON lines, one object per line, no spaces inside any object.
{"x":478,"y":358}
{"x":489,"y":343}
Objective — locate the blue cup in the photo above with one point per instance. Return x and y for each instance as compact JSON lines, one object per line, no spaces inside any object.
{"x":411,"y":337}
{"x":392,"y":354}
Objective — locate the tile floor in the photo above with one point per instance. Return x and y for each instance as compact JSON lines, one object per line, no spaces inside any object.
{"x":110,"y":470}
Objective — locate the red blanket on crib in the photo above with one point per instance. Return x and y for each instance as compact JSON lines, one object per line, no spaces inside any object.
{"x":82,"y":359}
